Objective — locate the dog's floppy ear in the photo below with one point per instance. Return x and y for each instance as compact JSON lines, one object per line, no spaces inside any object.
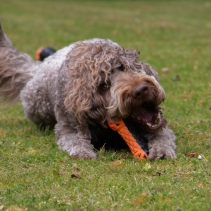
{"x":78,"y":94}
{"x":149,"y":71}
{"x":85,"y":64}
{"x":80,"y":86}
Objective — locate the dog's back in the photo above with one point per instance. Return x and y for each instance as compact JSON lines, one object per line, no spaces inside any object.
{"x":39,"y":95}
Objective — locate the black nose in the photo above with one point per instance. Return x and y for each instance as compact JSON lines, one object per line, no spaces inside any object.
{"x":140,"y":91}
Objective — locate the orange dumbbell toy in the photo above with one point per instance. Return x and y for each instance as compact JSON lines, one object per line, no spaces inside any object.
{"x":123,"y":131}
{"x":44,"y":52}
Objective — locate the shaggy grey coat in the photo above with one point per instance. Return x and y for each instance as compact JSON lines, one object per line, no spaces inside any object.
{"x":80,"y":88}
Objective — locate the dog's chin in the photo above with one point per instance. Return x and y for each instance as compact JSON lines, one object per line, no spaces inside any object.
{"x":148,"y":116}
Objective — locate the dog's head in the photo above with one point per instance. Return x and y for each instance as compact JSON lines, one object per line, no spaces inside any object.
{"x":107,"y":83}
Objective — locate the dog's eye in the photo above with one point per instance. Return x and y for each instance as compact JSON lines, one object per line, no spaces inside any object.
{"x":104,"y":87}
{"x":121,"y":67}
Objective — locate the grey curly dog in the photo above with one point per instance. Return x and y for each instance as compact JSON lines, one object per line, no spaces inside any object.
{"x":80,"y":88}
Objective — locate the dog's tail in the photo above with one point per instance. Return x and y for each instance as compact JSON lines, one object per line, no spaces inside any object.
{"x":16,"y":69}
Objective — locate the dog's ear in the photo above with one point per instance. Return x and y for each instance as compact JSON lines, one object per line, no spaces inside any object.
{"x":149,"y":71}
{"x":129,"y":60}
{"x":85,"y":65}
{"x":78,"y":94}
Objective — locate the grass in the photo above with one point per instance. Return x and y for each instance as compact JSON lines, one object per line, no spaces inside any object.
{"x":174,"y":37}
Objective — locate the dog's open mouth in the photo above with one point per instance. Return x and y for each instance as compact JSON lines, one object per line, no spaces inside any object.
{"x":148,"y":116}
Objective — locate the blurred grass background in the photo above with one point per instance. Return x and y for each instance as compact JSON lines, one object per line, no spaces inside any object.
{"x":175,"y":38}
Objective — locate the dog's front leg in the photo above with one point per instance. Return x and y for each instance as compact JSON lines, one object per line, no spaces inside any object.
{"x":162,"y":145}
{"x":71,"y":139}
{"x":76,"y":144}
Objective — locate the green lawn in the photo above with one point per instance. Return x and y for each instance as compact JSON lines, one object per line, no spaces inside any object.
{"x":175,"y":38}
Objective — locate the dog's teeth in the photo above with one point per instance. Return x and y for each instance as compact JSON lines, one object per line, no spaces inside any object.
{"x":159,"y":116}
{"x":149,"y":124}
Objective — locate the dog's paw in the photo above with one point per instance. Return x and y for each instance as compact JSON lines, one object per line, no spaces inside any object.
{"x":77,"y":149}
{"x":82,"y":153}
{"x":76,"y":146}
{"x":161,"y":152}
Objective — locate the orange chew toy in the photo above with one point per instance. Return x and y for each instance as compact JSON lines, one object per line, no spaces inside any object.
{"x":121,"y":128}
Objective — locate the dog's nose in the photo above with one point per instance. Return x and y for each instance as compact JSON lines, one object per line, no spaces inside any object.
{"x":140,"y":91}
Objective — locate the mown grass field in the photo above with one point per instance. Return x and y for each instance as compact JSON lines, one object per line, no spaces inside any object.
{"x":175,"y":38}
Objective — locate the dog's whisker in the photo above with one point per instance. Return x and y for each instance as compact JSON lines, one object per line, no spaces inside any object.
{"x":109,"y":107}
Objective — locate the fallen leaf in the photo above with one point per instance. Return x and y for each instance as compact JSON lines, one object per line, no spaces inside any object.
{"x":76,"y":167}
{"x":75,"y":176}
{"x":176,"y":78}
{"x":32,"y":152}
{"x":56,"y":173}
{"x":117,"y":163}
{"x":159,"y":173}
{"x":1,"y":133}
{"x":137,"y":32}
{"x":147,"y":166}
{"x":192,"y":154}
{"x":195,"y":50}
{"x":90,"y":23}
{"x":165,"y":69}
{"x":139,"y":199}
{"x":115,"y":32}
{"x":201,"y":101}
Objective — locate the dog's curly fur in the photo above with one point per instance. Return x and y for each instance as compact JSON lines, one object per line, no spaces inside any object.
{"x":82,"y":87}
